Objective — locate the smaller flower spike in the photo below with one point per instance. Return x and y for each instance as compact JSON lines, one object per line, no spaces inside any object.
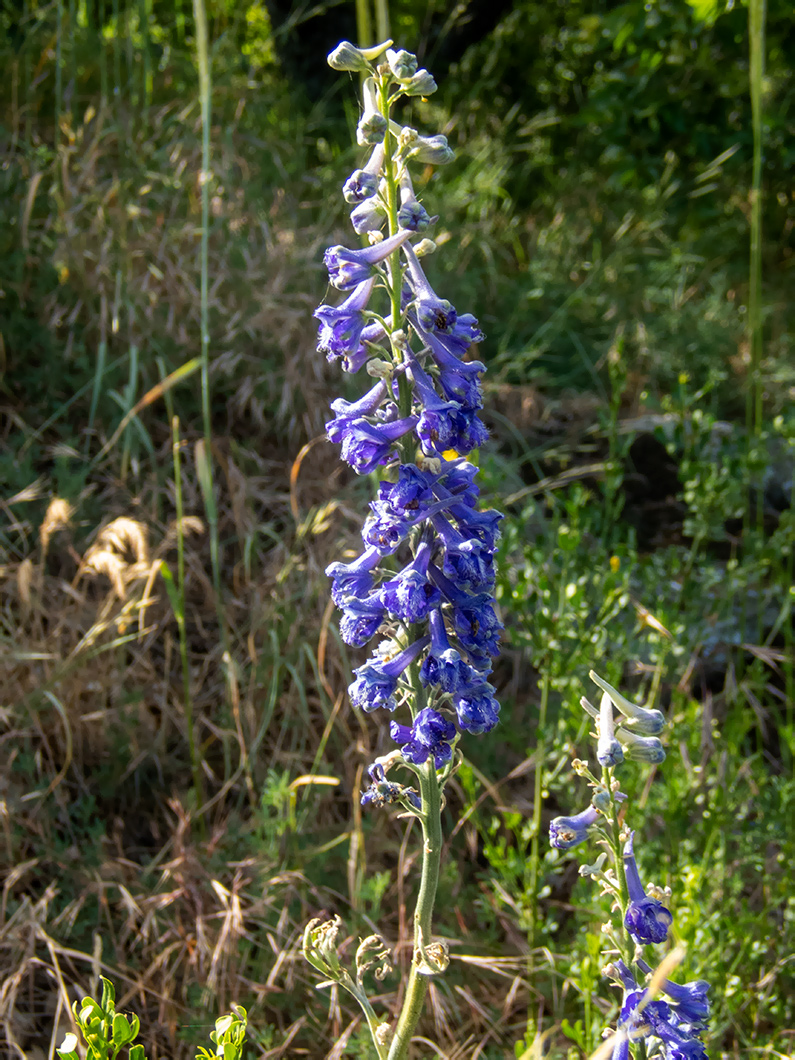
{"x":377,"y":680}
{"x":646,"y":919}
{"x":568,"y":832}
{"x":347,"y":268}
{"x":429,"y":735}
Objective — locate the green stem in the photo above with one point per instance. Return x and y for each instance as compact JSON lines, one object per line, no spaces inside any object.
{"x":423,"y":913}
{"x":756,"y":31}
{"x":395,"y":271}
{"x":180,"y":616}
{"x":535,"y":853}
{"x":627,"y":946}
{"x":364,"y":25}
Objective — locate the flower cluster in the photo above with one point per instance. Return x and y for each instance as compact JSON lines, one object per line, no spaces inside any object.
{"x":675,"y":1025}
{"x":425,"y":578}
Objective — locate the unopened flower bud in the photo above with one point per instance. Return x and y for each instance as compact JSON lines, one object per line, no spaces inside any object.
{"x":424,"y":248}
{"x":641,"y":748}
{"x":421,"y":84}
{"x":432,"y":149}
{"x":368,"y":216}
{"x":372,"y":124}
{"x":347,"y":56}
{"x":644,"y":721}
{"x":402,"y":64}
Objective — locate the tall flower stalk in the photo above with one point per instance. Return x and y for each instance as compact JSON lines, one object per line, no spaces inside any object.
{"x":425,"y":579}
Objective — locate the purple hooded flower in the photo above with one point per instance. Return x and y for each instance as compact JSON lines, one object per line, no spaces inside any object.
{"x":371,"y":335}
{"x":646,"y":919}
{"x":474,"y":620}
{"x":568,"y":832}
{"x":366,"y":445}
{"x":437,"y":426}
{"x":353,"y":579}
{"x":348,"y":412}
{"x":485,"y":526}
{"x":377,"y":680}
{"x":467,"y":562}
{"x":412,"y":488}
{"x":429,"y":735}
{"x":341,"y":326}
{"x":469,"y":431}
{"x":692,"y":1003}
{"x":347,"y":268}
{"x":409,"y":595}
{"x":443,"y":665}
{"x":361,"y":620}
{"x":477,"y":709}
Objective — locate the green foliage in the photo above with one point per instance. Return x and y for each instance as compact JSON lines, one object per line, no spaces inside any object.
{"x":106,"y":1032}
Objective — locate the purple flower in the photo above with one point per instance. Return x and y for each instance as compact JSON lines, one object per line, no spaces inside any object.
{"x":474,"y":620}
{"x":437,"y":426}
{"x":568,"y":832}
{"x":481,"y":525}
{"x":477,"y":709}
{"x":353,"y":579}
{"x":430,"y":734}
{"x":361,"y":620}
{"x":366,"y":445}
{"x":410,"y":595}
{"x":692,"y":1003}
{"x":467,"y":562}
{"x":433,"y":313}
{"x":347,"y":268}
{"x":646,"y":919}
{"x":371,"y":334}
{"x":383,"y":530}
{"x":469,"y":431}
{"x":377,"y":680}
{"x":443,"y":665}
{"x":341,"y":326}
{"x":412,"y":488}
{"x":347,"y":412}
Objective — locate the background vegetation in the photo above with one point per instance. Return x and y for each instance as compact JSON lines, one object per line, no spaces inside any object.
{"x":180,"y":767}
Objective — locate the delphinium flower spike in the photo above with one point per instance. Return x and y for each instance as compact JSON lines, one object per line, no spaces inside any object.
{"x":425,"y":578}
{"x":672,"y":1028}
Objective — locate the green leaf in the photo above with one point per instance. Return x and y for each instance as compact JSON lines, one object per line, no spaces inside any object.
{"x":108,"y":1003}
{"x":122,"y":1031}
